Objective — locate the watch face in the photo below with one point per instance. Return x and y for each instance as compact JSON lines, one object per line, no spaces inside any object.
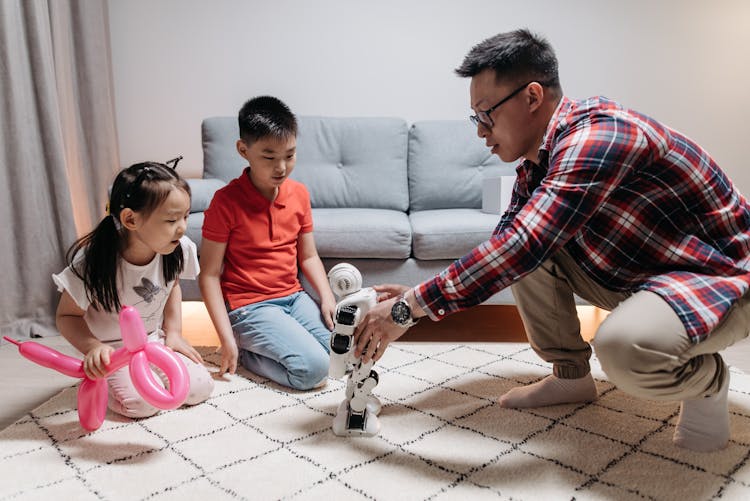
{"x":401,"y":313}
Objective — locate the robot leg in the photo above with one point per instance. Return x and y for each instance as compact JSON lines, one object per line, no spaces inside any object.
{"x":358,"y":415}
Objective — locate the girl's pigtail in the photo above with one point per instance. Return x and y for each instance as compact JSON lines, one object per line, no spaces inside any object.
{"x":98,"y":268}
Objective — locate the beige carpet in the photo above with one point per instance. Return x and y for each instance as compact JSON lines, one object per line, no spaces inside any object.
{"x":442,"y":438}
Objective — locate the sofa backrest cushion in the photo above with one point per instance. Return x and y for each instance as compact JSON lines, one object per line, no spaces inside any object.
{"x":447,"y":162}
{"x":220,"y":157}
{"x":344,"y":162}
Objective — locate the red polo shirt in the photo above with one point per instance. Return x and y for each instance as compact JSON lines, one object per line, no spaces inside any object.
{"x":260,"y":261}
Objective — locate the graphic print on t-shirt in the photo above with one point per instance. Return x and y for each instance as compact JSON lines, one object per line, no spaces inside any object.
{"x":150,"y":301}
{"x":147,"y":290}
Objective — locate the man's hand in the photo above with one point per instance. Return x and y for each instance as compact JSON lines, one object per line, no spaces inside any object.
{"x":376,"y":331}
{"x":388,"y":291}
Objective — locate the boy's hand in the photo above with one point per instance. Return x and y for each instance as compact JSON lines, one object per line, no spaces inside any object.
{"x":387,"y":291}
{"x":229,"y":354}
{"x":328,"y":312}
{"x":96,"y":361}
{"x":181,"y":345}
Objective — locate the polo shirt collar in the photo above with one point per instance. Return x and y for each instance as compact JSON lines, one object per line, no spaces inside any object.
{"x":256,"y":196}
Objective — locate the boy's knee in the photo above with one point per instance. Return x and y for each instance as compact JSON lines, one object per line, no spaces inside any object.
{"x":310,"y":372}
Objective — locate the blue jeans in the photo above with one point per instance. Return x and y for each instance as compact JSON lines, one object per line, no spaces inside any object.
{"x":283,"y":339}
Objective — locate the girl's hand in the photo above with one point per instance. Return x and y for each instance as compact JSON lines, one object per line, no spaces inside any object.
{"x":387,"y":291}
{"x":180,"y":345}
{"x":96,"y":361}
{"x":328,"y":312}
{"x":229,"y":354}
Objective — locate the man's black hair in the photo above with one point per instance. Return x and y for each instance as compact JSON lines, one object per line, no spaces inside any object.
{"x":516,"y":56}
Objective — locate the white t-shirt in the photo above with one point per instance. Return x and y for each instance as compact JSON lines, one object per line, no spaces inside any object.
{"x":141,"y":287}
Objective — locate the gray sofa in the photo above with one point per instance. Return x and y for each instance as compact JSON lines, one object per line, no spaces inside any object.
{"x":399,"y":202}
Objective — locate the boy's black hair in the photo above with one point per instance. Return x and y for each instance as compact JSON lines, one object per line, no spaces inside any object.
{"x":141,"y":187}
{"x":266,"y":116}
{"x":517,"y":56}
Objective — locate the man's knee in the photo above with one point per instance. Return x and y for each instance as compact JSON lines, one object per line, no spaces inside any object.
{"x":635,"y":364}
{"x":612,"y":347}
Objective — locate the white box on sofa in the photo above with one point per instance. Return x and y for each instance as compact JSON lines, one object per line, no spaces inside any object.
{"x":496,"y":193}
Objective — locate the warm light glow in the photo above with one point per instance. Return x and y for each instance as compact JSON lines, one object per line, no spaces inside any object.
{"x":590,"y":317}
{"x":197,"y":327}
{"x":199,"y":330}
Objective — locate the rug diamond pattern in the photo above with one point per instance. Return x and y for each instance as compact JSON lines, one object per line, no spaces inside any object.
{"x":442,"y":437}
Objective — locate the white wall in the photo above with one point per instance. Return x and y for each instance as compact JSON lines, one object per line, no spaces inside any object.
{"x":685,"y":62}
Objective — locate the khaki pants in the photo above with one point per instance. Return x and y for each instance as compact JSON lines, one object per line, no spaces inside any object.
{"x":642,"y":345}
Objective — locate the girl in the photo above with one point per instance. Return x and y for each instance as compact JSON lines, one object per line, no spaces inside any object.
{"x":133,"y":257}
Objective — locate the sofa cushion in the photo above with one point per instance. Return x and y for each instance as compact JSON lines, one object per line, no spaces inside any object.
{"x":344,"y":162}
{"x":220,"y":157}
{"x":362,"y":233}
{"x":202,"y":192}
{"x":447,"y":162}
{"x":195,"y":227}
{"x":449,"y":233}
{"x":353,"y":162}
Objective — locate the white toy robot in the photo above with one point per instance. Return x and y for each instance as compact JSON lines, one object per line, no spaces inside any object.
{"x":358,"y":413}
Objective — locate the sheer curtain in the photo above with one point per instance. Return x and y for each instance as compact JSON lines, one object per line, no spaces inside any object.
{"x":58,"y":147}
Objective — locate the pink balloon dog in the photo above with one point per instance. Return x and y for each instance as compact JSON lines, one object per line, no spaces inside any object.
{"x":137,"y":351}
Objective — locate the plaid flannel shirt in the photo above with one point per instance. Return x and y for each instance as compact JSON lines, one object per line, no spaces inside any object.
{"x":638,"y":205}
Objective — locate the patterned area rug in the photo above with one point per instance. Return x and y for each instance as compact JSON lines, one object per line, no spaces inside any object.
{"x":442,"y":437}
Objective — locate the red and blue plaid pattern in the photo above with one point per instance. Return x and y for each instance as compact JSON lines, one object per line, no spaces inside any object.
{"x":637,"y":204}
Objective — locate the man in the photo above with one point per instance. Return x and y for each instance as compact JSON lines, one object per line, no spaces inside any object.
{"x":615,"y":207}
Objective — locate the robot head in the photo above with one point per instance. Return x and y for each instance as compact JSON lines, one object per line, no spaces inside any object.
{"x":345,"y":279}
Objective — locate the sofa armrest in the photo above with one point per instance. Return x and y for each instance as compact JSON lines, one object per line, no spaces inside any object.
{"x":202,"y":191}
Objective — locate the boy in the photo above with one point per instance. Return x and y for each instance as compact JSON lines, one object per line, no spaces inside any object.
{"x":256,"y":233}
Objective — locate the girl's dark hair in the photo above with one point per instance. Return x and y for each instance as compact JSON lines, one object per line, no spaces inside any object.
{"x":141,"y":187}
{"x":266,"y":116}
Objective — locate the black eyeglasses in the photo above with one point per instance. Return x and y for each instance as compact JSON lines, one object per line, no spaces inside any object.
{"x":483,"y":116}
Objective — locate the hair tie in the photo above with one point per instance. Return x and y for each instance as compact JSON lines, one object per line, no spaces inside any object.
{"x":136,"y":183}
{"x":175,"y":161}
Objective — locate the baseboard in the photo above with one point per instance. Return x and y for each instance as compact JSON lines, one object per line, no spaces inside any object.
{"x":485,"y":323}
{"x":481,"y":324}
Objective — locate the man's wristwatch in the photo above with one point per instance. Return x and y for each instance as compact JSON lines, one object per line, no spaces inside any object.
{"x":401,"y":313}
